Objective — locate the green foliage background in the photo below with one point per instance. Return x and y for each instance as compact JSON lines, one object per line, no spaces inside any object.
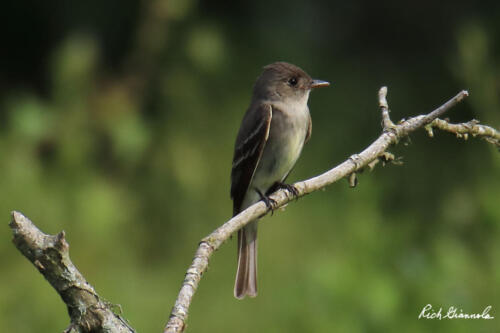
{"x":117,"y":125}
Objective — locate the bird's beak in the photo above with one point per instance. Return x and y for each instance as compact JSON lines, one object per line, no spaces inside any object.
{"x":319,"y":83}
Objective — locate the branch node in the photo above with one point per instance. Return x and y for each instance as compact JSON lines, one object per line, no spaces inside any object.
{"x":373,"y":163}
{"x":39,"y":265}
{"x":386,"y":157}
{"x":429,"y":130}
{"x":353,"y":180}
{"x":357,"y":160}
{"x":60,"y":242}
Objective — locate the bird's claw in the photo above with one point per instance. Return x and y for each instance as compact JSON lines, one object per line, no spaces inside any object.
{"x":271,"y":204}
{"x":290,"y":188}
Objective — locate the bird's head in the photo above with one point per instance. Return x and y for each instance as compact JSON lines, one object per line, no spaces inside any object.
{"x":283,"y":81}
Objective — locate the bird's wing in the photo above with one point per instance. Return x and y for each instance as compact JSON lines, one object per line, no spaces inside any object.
{"x":250,"y":143}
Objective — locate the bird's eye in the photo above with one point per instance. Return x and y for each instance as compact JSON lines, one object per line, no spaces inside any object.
{"x":292,"y":81}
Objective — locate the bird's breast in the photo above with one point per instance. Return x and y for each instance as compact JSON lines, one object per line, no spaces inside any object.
{"x":284,"y":145}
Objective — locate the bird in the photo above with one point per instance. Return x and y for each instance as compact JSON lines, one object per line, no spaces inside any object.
{"x":270,"y":139}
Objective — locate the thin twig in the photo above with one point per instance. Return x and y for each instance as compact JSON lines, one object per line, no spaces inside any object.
{"x":392,"y":134}
{"x":384,"y":107}
{"x":464,"y":130}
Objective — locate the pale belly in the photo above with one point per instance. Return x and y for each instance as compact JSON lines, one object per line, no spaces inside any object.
{"x":281,"y":152}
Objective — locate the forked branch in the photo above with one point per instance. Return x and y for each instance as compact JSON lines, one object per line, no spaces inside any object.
{"x":50,"y":255}
{"x":391,"y":134}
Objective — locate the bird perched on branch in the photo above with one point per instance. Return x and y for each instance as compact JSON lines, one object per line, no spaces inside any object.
{"x":269,"y":142}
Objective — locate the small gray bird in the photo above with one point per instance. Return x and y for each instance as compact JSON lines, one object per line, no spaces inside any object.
{"x":269,"y":142}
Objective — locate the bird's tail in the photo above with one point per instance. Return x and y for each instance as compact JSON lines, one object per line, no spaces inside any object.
{"x":246,"y":276}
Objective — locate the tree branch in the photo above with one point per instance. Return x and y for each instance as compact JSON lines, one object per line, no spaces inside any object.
{"x":50,"y":255}
{"x":463,"y":130}
{"x":90,"y":313}
{"x":377,"y":150}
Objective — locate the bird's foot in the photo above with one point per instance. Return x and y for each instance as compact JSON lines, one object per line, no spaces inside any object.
{"x":270,"y":203}
{"x":290,"y":188}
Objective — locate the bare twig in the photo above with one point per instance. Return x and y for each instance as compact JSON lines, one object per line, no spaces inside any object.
{"x":384,"y":107}
{"x":50,"y":255}
{"x":463,"y":130}
{"x":392,"y":134}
